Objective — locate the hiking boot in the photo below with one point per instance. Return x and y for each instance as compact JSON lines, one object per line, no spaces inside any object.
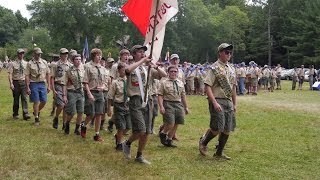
{"x":223,"y":156}
{"x":55,"y":123}
{"x":98,"y":138}
{"x":163,"y":138}
{"x":142,"y":160}
{"x":83,"y":131}
{"x":169,"y":144}
{"x":16,"y":117}
{"x":67,"y":128}
{"x":119,"y":147}
{"x":126,"y":150}
{"x":202,"y":148}
{"x":26,"y":117}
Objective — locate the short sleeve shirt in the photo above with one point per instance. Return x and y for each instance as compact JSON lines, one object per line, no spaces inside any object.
{"x":17,"y":69}
{"x":172,"y":90}
{"x":58,"y":71}
{"x":94,"y":75}
{"x":74,"y":78}
{"x":212,"y":80}
{"x":116,"y":91}
{"x":37,"y":70}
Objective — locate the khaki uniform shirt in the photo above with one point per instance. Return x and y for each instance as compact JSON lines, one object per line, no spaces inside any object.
{"x":212,"y":80}
{"x":311,"y":72}
{"x":37,"y":70}
{"x":74,"y":78}
{"x":242,"y":72}
{"x":172,"y":90}
{"x":278,"y":71}
{"x":301,"y":72}
{"x":58,"y":71}
{"x":108,"y":80}
{"x":133,"y":84}
{"x":155,"y":86}
{"x":266,"y":73}
{"x":94,"y":75}
{"x":116,"y":91}
{"x":17,"y":69}
{"x":114,"y":71}
{"x":255,"y":72}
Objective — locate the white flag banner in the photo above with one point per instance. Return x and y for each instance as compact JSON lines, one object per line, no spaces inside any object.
{"x":166,"y":10}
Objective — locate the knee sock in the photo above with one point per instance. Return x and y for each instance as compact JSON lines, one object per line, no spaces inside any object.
{"x":206,"y":138}
{"x":222,"y":142}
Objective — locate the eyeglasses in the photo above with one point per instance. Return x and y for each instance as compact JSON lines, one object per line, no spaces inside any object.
{"x":227,"y":52}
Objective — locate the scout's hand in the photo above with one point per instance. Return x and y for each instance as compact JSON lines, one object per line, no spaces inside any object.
{"x":48,"y":89}
{"x":12,"y":87}
{"x":186,"y":110}
{"x":109,"y":112}
{"x":147,"y":59}
{"x":217,"y":107}
{"x":162,"y":110}
{"x":235,"y":108}
{"x":65,"y":99}
{"x":91,"y":98}
{"x":28,"y":91}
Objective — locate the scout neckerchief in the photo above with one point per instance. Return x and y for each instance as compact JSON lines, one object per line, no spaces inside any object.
{"x":124,"y":90}
{"x":99,"y":75}
{"x":175,"y":87}
{"x":37,"y":63}
{"x":21,"y":68}
{"x":78,"y":77}
{"x":137,"y":71}
{"x":223,"y":80}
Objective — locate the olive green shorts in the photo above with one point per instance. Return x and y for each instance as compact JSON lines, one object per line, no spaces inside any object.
{"x":95,"y":107}
{"x":225,"y":119}
{"x":254,"y":81}
{"x":75,"y":102}
{"x":174,"y":112}
{"x":141,"y":117}
{"x":122,"y":118}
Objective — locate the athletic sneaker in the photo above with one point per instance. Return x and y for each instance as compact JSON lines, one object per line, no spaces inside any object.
{"x":141,"y":159}
{"x":126,"y":150}
{"x":223,"y":156}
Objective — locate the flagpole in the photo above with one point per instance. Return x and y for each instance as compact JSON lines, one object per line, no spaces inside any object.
{"x":151,"y":51}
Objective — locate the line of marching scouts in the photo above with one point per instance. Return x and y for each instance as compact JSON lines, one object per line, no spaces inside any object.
{"x":134,"y":86}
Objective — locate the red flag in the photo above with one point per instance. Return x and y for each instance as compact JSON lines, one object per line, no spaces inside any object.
{"x":138,"y":11}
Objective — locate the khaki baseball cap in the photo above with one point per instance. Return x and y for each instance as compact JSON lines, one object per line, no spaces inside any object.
{"x":37,"y":50}
{"x":225,"y":46}
{"x":20,"y":51}
{"x":137,"y":47}
{"x":64,"y":51}
{"x":124,"y":51}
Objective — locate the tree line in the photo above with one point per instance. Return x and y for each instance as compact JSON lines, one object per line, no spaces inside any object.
{"x":264,"y":31}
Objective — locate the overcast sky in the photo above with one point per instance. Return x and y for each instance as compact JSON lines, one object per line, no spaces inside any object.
{"x":15,"y":5}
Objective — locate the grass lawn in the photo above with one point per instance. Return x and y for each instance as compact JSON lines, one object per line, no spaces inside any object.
{"x":277,"y":137}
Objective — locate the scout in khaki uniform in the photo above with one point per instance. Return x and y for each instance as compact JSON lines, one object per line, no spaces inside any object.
{"x":55,"y":59}
{"x":301,"y":77}
{"x":107,"y":67}
{"x":294,"y":78}
{"x":18,"y":85}
{"x":174,"y":60}
{"x":242,"y":78}
{"x":273,"y":77}
{"x":94,"y":83}
{"x":170,"y":95}
{"x":58,"y":71}
{"x":311,"y":75}
{"x":114,"y":74}
{"x":220,"y":85}
{"x":118,"y":96}
{"x":37,"y":74}
{"x":254,"y":79}
{"x":140,"y":108}
{"x":73,"y":94}
{"x":278,"y":79}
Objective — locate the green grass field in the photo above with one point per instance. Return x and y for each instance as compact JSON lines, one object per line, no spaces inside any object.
{"x":277,"y":137}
